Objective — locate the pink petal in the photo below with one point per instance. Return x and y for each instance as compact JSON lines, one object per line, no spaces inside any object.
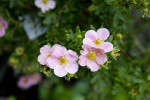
{"x":52,"y":63}
{"x":58,"y":51}
{"x":2,"y":32}
{"x":0,"y":19}
{"x":42,"y":59}
{"x":38,"y":3}
{"x":84,"y":52}
{"x":101,"y":58}
{"x":72,"y":68}
{"x":45,"y":50}
{"x":52,"y":4}
{"x":56,"y":46}
{"x":106,"y":46}
{"x":91,"y":34}
{"x":72,"y":56}
{"x":60,"y":71}
{"x":86,"y":47}
{"x":4,"y":24}
{"x":82,"y":60}
{"x":44,"y":9}
{"x":92,"y":65}
{"x":103,"y":33}
{"x":88,"y":42}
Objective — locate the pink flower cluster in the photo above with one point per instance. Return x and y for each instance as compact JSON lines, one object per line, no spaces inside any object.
{"x":45,"y":5}
{"x":63,"y":61}
{"x":3,"y":26}
{"x":60,"y":59}
{"x":94,"y":48}
{"x":27,"y":81}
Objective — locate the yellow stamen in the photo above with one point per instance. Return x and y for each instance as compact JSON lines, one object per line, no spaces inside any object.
{"x":50,"y":55}
{"x":45,"y":1}
{"x":92,"y":55}
{"x":98,"y":41}
{"x":63,"y":61}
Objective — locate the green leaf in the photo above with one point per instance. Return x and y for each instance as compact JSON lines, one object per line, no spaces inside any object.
{"x":92,"y":27}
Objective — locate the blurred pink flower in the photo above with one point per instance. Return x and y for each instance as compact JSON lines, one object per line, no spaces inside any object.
{"x":24,"y":82}
{"x":45,"y":5}
{"x":96,"y":39}
{"x":3,"y":26}
{"x":92,"y":58}
{"x":63,"y":61}
{"x":27,"y":81}
{"x":35,"y":78}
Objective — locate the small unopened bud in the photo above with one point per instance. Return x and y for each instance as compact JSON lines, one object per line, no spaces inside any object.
{"x":105,"y":65}
{"x":115,"y":53}
{"x":79,"y":36}
{"x":119,"y":36}
{"x":46,"y":70}
{"x":133,"y":92}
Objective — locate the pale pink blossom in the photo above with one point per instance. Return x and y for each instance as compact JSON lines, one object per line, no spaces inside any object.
{"x":96,"y":39}
{"x":63,"y":61}
{"x":45,"y":5}
{"x":92,"y":58}
{"x":24,"y":82}
{"x":3,"y":26}
{"x":35,"y":78}
{"x":46,"y":52}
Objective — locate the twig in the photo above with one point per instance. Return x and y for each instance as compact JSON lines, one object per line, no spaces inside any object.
{"x":139,"y":46}
{"x":60,"y":12}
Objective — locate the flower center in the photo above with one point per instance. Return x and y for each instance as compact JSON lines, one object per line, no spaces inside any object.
{"x":98,"y":41}
{"x":0,"y":25}
{"x":45,"y":1}
{"x":25,"y":80}
{"x":50,"y":55}
{"x":33,"y":77}
{"x":92,"y":55}
{"x":63,"y":61}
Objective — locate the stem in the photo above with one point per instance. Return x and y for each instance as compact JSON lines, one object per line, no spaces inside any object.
{"x":139,"y":46}
{"x":60,"y":12}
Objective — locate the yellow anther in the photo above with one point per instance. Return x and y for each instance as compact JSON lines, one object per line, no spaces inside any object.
{"x":98,"y":41}
{"x":50,"y":55}
{"x":45,"y":1}
{"x":63,"y":61}
{"x":92,"y":55}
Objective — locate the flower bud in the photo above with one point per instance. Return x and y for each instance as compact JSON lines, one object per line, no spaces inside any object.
{"x":19,"y":50}
{"x":115,"y":53}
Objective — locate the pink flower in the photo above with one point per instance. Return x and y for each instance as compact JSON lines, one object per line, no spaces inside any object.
{"x":35,"y":78}
{"x":45,"y":5}
{"x":92,"y":58}
{"x":27,"y":81}
{"x":46,"y":52}
{"x":63,"y":61}
{"x":24,"y":82}
{"x":96,"y":39}
{"x":3,"y":26}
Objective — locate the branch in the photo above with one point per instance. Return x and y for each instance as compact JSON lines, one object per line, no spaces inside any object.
{"x":60,"y":12}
